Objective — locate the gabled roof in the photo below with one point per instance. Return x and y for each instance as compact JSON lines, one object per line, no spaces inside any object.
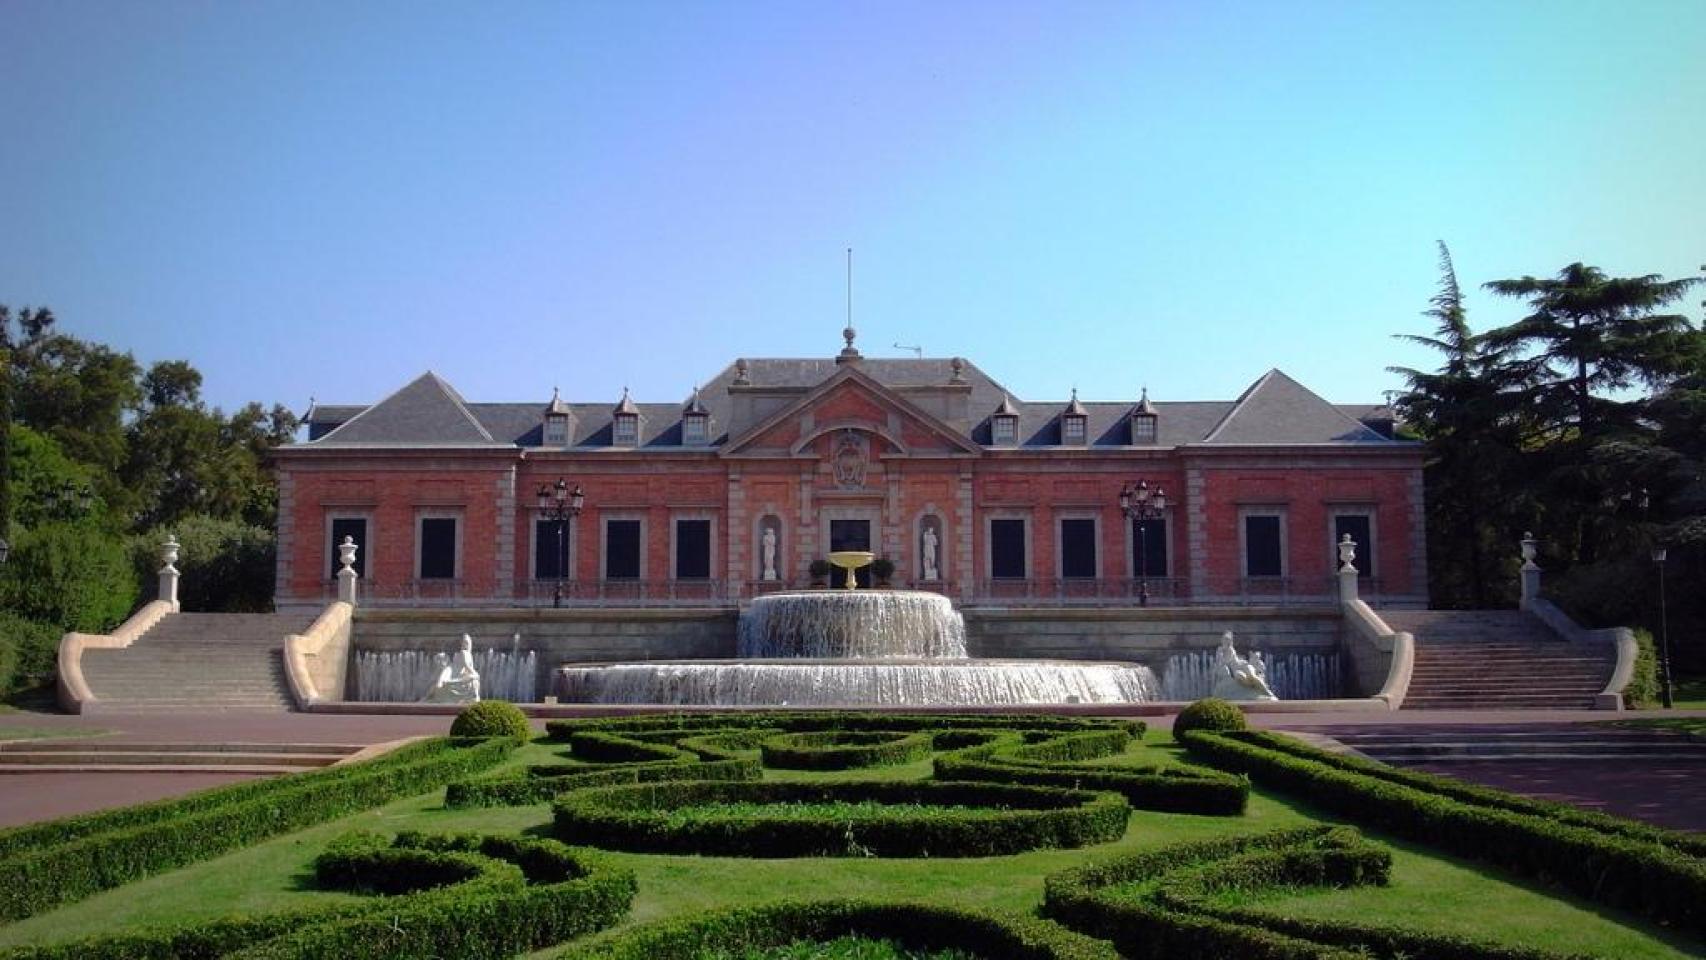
{"x":1073,"y":407}
{"x":1006,"y":409}
{"x":1278,"y":410}
{"x":625,"y":406}
{"x":695,"y":405}
{"x":851,"y":373}
{"x":425,"y":412}
{"x":1144,"y":407}
{"x":556,"y":407}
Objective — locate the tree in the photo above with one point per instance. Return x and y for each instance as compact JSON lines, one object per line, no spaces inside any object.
{"x":31,"y":325}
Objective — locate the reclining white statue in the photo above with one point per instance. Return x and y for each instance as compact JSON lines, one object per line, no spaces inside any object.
{"x":458,"y":682}
{"x":1236,"y":678}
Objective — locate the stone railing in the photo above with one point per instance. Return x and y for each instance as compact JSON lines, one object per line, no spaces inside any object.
{"x":316,"y":661}
{"x":1622,"y":639}
{"x":74,"y":693}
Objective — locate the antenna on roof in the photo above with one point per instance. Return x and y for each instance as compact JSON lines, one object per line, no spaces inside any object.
{"x":849,"y":288}
{"x":916,"y":351}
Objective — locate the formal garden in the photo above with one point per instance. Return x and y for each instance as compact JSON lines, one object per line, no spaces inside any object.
{"x":852,"y":835}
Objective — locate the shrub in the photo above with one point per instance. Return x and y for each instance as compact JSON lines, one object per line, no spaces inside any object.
{"x":29,"y":653}
{"x":916,"y":926}
{"x":492,"y":718}
{"x":1209,"y":713}
{"x":227,"y":566}
{"x":1643,"y":688}
{"x":72,"y":576}
{"x":1004,"y":819}
{"x":844,"y":749}
{"x":1627,"y":868}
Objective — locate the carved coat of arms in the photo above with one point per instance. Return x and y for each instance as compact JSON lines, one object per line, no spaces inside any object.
{"x":852,"y":454}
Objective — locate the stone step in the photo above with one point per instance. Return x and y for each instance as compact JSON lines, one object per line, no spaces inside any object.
{"x":49,"y":746}
{"x":1496,"y":701}
{"x":247,"y":769}
{"x":119,"y":758}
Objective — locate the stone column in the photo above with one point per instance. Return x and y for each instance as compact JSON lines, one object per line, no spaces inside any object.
{"x":1347,"y":569}
{"x":1530,"y":570}
{"x":503,"y":586}
{"x":169,"y":572}
{"x":735,"y":537}
{"x":1196,"y":532}
{"x":965,"y":527}
{"x":346,"y":574}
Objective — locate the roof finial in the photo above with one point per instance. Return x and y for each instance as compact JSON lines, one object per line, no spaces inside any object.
{"x":741,"y":377}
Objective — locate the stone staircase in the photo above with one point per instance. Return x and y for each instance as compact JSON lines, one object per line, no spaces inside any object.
{"x":1498,"y":660}
{"x":197,"y":661}
{"x":72,"y":756}
{"x":1599,"y":742}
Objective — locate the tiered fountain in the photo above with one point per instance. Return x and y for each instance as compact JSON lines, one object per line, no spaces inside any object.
{"x":855,"y":647}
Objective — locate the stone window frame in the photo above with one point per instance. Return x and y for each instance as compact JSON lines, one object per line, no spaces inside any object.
{"x":604,"y":544}
{"x":534,"y":515}
{"x":930,"y":511}
{"x":675,"y":516}
{"x":1060,"y":518}
{"x":1167,"y":526}
{"x":995,"y":435}
{"x":625,"y":423}
{"x":558,"y":422}
{"x":989,"y":519}
{"x":422,"y":514}
{"x":1145,"y":430}
{"x":1365,"y":561}
{"x":757,"y":551}
{"x":689,"y":423}
{"x":366,"y":555}
{"x":1283,"y":512}
{"x":1082,"y":423}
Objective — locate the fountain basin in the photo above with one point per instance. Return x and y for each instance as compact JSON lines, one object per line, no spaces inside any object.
{"x":885,"y":681}
{"x":851,"y":623}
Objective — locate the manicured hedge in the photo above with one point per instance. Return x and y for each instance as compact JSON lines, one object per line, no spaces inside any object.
{"x":844,"y":749}
{"x":66,"y":860}
{"x":492,"y":718}
{"x":1010,"y":819}
{"x":543,"y":783}
{"x":453,"y":895}
{"x":803,"y":720}
{"x":1167,"y":904}
{"x":916,"y":926}
{"x":1612,"y":867}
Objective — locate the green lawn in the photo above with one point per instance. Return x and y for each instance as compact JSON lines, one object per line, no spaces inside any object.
{"x":9,"y":732}
{"x":1689,"y":693}
{"x":1428,"y":890}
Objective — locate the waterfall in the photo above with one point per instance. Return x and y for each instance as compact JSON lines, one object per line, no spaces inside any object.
{"x":855,"y":624}
{"x":1293,"y":675}
{"x":404,"y":676}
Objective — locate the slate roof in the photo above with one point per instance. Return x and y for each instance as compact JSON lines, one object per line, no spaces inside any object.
{"x":1274,"y":410}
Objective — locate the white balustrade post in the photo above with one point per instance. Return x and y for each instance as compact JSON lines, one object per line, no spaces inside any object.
{"x":1347,"y":569}
{"x":1530,"y":570}
{"x":347,"y":576}
{"x":169,"y":572}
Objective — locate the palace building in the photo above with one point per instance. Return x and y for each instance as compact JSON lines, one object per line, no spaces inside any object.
{"x":771,"y":464}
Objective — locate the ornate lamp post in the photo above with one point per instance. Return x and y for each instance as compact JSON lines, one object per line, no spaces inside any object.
{"x":1664,"y":632}
{"x":1138,"y":503}
{"x":558,"y":503}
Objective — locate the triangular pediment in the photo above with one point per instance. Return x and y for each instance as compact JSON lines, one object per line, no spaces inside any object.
{"x":849,"y":399}
{"x":425,"y":412}
{"x":1278,"y":410}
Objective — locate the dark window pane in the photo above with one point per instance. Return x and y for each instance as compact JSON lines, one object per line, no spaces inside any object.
{"x":1007,"y":549}
{"x":622,"y":550}
{"x":438,"y":548}
{"x":849,"y":535}
{"x":1262,"y":547}
{"x":356,"y":529}
{"x":550,"y":553}
{"x":1078,"y":548}
{"x":692,"y":549}
{"x":1362,"y":534}
{"x":1149,"y":545}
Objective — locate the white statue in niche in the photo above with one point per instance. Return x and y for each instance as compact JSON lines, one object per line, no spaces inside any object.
{"x":769,"y":543}
{"x":930,"y":545}
{"x":1236,"y":678}
{"x":458,"y":682}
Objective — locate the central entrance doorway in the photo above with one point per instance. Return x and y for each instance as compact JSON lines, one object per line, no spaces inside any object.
{"x":849,"y":535}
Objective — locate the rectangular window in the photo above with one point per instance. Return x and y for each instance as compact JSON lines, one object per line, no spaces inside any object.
{"x":1072,"y":430}
{"x":622,"y":549}
{"x":1078,"y":548}
{"x":1361,"y":528}
{"x":550,"y":549}
{"x":438,"y":548}
{"x":1006,"y":431}
{"x":1007,"y":549}
{"x":693,"y":431}
{"x":1149,"y":546}
{"x":556,"y":431}
{"x":1143,"y":429}
{"x":627,"y":431}
{"x":692,"y":549}
{"x":356,"y":529}
{"x":1263,"y":554}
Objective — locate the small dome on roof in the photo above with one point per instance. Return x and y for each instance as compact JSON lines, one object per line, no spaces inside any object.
{"x":626,"y":405}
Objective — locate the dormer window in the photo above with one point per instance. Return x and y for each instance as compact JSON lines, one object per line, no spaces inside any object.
{"x":1074,"y":423}
{"x":695,"y":422}
{"x":625,"y":422}
{"x":1004,"y":424}
{"x":1145,"y":422}
{"x":555,"y":431}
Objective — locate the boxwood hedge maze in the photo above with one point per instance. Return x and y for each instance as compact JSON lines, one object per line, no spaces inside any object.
{"x":779,"y":835}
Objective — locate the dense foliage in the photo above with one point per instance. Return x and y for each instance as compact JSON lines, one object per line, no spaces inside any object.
{"x":1209,"y":713}
{"x":101,"y":459}
{"x":1584,"y":422}
{"x":491,"y":718}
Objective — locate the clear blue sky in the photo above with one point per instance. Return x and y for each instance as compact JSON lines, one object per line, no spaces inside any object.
{"x":325,"y":199}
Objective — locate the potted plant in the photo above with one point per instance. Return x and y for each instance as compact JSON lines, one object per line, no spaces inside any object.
{"x":882,"y":569}
{"x":819,"y":570}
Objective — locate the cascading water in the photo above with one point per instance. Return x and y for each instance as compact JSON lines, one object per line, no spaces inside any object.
{"x":406,"y":675}
{"x":1292,"y":675}
{"x":849,"y":648}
